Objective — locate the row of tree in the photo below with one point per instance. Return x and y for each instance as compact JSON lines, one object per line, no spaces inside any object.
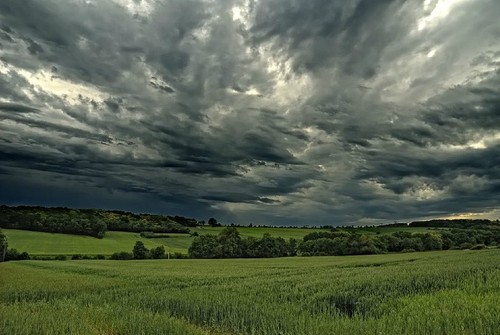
{"x":54,"y":220}
{"x":93,"y":222}
{"x":140,"y":252}
{"x":458,"y":223}
{"x":229,"y":244}
{"x":350,"y":243}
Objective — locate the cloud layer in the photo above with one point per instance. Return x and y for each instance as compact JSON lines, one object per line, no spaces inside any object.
{"x":276,"y":112}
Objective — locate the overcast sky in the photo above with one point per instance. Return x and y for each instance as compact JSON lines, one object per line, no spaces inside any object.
{"x":262,"y":111}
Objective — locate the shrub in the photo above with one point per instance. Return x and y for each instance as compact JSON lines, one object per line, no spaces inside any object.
{"x":14,"y":255}
{"x":24,"y":255}
{"x":123,"y":255}
{"x":178,"y":255}
{"x":158,"y":252}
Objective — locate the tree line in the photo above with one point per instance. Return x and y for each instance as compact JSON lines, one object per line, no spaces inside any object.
{"x":229,"y":243}
{"x":340,"y":243}
{"x":457,"y":223}
{"x":140,"y":252}
{"x":92,"y":222}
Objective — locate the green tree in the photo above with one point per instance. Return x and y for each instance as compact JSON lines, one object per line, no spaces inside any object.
{"x":213,"y":222}
{"x":123,"y":255}
{"x":140,"y":251}
{"x":432,"y":241}
{"x":158,"y":252}
{"x":12,"y":255}
{"x":205,"y":246}
{"x":292,"y":247}
{"x":319,"y":247}
{"x":230,"y":243}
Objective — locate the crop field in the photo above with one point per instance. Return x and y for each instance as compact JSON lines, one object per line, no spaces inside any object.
{"x":445,"y":292}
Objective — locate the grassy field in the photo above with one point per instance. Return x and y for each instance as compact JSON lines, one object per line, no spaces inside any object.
{"x":445,"y":292}
{"x":39,"y":243}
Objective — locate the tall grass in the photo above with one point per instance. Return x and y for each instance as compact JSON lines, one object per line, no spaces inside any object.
{"x":452,"y":292}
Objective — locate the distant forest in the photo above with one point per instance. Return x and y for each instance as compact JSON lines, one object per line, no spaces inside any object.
{"x":456,"y":223}
{"x":92,"y":222}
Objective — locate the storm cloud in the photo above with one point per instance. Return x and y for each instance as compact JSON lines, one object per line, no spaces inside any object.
{"x":270,"y":112}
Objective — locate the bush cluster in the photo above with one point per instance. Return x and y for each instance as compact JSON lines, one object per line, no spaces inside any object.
{"x":14,"y":255}
{"x":342,"y":243}
{"x":140,"y":252}
{"x":229,"y":244}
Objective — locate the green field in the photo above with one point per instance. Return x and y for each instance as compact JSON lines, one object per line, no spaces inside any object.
{"x":445,"y":292}
{"x":39,"y":243}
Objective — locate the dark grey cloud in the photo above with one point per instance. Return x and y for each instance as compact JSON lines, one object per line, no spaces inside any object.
{"x":350,"y":36}
{"x":16,"y":108}
{"x":278,"y":112}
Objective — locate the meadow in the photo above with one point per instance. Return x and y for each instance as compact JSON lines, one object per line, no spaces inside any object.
{"x":442,"y":292}
{"x":40,"y":243}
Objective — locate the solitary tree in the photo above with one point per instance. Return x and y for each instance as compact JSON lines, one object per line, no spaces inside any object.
{"x":212,"y":222}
